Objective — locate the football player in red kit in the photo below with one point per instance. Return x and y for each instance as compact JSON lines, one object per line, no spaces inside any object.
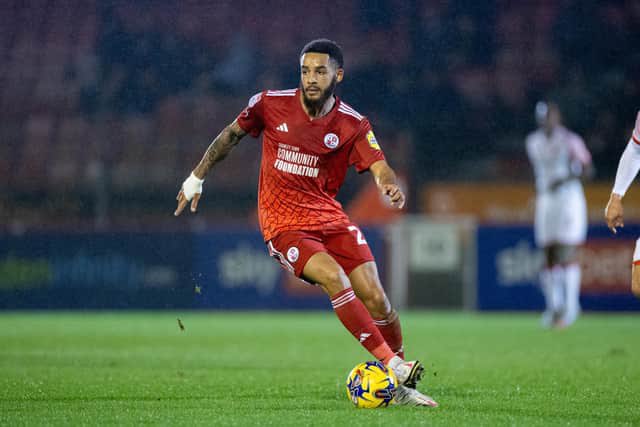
{"x":310,"y":138}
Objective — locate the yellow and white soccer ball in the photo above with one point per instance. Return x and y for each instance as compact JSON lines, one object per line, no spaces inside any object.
{"x":371,"y":385}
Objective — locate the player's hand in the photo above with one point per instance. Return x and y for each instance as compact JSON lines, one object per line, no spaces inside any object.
{"x":190,"y":192}
{"x":395,"y":195}
{"x":614,"y":212}
{"x":556,"y":184}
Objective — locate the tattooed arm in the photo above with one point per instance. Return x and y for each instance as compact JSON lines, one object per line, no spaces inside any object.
{"x":218,"y":150}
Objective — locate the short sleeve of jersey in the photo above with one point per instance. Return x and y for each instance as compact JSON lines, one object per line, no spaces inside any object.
{"x":251,"y":119}
{"x":366,"y":150}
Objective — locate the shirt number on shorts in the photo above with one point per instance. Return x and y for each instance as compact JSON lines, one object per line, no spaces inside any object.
{"x":359,"y":236}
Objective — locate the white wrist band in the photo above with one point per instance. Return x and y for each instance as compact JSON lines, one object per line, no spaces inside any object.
{"x":192,"y":186}
{"x":198,"y":180}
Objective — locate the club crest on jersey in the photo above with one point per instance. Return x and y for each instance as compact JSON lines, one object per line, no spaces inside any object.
{"x":331,"y":140}
{"x":373,"y":142}
{"x":292,"y":254}
{"x":254,"y":99}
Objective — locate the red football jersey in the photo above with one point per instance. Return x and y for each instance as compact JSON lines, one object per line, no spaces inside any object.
{"x":304,"y":160}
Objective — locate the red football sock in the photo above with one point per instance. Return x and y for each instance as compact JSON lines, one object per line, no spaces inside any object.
{"x":390,"y":329}
{"x":355,"y":317}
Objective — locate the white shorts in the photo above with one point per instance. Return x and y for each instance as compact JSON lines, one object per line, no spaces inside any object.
{"x":636,"y":252}
{"x":561,"y":216}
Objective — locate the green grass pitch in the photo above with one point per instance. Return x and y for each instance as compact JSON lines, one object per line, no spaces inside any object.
{"x":265,"y":368}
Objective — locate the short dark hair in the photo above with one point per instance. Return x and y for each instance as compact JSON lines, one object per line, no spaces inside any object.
{"x":327,"y":46}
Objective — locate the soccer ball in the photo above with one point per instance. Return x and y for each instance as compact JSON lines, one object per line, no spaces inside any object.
{"x":371,"y":385}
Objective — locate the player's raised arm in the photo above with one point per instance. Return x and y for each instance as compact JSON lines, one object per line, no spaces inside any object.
{"x":218,"y":150}
{"x":387,"y":183}
{"x":627,"y":170}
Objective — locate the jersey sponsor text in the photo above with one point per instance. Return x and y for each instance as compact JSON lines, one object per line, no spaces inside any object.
{"x":297,"y":163}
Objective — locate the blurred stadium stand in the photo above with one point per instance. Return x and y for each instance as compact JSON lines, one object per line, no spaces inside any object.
{"x":107,"y":104}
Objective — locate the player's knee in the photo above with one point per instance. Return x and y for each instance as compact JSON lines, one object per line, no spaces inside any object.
{"x":377,"y":304}
{"x":333,"y":280}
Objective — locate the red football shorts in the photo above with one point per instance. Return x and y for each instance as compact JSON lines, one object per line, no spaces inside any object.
{"x":346,"y":244}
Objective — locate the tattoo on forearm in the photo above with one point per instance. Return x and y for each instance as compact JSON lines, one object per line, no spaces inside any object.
{"x":218,"y":150}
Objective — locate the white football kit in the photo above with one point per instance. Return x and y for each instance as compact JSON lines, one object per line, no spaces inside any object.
{"x":561,"y":213}
{"x":561,"y":216}
{"x":628,"y":169}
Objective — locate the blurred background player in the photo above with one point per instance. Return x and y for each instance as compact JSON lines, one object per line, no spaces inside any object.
{"x":310,"y":139}
{"x":627,"y":170}
{"x":559,"y":158}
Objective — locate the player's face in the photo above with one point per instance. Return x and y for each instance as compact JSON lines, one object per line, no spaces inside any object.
{"x":553,"y":119}
{"x":549,"y":118}
{"x":318,"y":77}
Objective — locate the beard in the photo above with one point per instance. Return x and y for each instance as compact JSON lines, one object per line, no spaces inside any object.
{"x":317,"y":104}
